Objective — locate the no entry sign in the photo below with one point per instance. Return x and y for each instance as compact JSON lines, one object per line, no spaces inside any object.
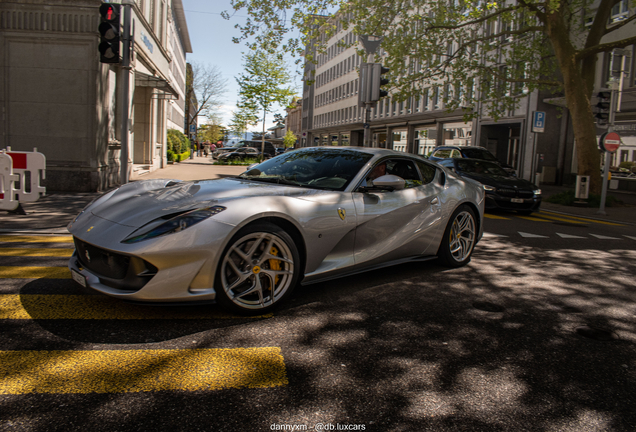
{"x":610,"y":141}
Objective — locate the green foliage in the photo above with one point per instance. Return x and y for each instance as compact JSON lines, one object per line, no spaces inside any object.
{"x":289,"y":139}
{"x":247,"y":161}
{"x":213,"y":131}
{"x":628,"y":165}
{"x":567,"y":198}
{"x":243,"y":117}
{"x":177,"y":141}
{"x":265,"y":81}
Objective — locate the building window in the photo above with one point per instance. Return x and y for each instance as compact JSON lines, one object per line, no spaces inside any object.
{"x":620,"y":11}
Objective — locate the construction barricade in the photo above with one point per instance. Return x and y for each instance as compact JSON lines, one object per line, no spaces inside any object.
{"x":21,"y":175}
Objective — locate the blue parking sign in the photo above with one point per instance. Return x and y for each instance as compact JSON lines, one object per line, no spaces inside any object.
{"x":538,"y":121}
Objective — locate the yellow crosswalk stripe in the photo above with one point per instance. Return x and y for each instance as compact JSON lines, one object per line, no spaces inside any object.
{"x":89,"y":307}
{"x":36,"y":239}
{"x":40,"y":252}
{"x":125,"y":371}
{"x":574,"y":219}
{"x":492,"y":216}
{"x":17,"y":272}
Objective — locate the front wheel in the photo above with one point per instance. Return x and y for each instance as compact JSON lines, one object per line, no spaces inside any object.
{"x":459,"y":238}
{"x":258,"y":270}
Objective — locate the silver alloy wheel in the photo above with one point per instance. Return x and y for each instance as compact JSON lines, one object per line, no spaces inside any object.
{"x":462,"y":236}
{"x":257,"y":270}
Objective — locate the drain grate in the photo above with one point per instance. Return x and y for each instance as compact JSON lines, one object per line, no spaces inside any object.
{"x":488,"y":306}
{"x":595,"y":333}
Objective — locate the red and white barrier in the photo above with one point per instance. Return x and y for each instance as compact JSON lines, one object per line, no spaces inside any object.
{"x":20,"y":176}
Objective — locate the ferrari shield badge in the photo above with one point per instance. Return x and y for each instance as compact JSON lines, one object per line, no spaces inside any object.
{"x":342,"y":213}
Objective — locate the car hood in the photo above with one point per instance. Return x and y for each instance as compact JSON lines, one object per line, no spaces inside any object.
{"x":138,"y":203}
{"x":501,"y":181}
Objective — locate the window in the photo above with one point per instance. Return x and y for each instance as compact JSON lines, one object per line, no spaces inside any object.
{"x":620,"y":11}
{"x":427,"y":171}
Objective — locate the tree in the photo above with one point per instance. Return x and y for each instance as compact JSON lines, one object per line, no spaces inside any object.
{"x":470,"y":51}
{"x":264,"y":83}
{"x":213,"y":131}
{"x":243,"y":117}
{"x":206,"y":84}
{"x":279,"y":119}
{"x":290,"y":139}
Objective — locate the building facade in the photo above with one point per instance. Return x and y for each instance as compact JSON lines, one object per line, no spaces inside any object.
{"x":331,"y":114}
{"x":58,"y":97}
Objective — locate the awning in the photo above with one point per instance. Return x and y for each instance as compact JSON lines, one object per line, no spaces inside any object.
{"x":145,"y":80}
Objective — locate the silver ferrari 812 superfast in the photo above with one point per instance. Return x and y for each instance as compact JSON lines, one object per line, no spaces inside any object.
{"x":304,"y":216}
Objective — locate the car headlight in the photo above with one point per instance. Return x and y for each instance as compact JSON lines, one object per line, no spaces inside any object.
{"x":161,"y":226}
{"x":537,"y":191}
{"x":489,"y":188}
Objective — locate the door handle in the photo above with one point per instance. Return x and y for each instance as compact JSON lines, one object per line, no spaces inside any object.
{"x":434,"y":201}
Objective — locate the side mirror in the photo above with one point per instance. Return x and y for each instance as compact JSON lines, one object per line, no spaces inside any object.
{"x":390,"y":182}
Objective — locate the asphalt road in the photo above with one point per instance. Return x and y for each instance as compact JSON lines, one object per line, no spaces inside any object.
{"x":537,"y":333}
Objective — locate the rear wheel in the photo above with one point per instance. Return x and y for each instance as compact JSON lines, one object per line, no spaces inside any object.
{"x":459,"y":238}
{"x":258,"y":270}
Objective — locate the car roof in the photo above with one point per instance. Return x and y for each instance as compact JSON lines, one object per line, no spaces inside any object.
{"x":456,"y":147}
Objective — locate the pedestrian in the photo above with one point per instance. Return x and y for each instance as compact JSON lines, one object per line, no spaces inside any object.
{"x":206,"y":147}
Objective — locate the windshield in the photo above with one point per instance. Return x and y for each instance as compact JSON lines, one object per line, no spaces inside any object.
{"x":480,"y":167}
{"x":479,"y":154}
{"x":329,"y":169}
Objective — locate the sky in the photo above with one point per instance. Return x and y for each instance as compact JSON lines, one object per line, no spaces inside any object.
{"x":211,"y":39}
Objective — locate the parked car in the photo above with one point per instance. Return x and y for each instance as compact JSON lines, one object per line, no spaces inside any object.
{"x":473,"y":152}
{"x":240,"y":154}
{"x":502,"y":190}
{"x":270,"y":150}
{"x":304,"y":216}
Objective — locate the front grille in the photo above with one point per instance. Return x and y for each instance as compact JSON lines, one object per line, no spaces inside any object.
{"x":102,"y":262}
{"x":515,"y":193}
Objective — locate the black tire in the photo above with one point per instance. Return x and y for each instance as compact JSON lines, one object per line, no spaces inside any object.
{"x":258,"y":270}
{"x":459,"y":238}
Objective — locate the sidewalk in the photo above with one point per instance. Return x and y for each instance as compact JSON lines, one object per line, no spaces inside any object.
{"x":54,"y":211}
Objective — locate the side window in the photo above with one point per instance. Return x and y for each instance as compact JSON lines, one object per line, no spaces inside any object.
{"x":405,"y":169}
{"x":442,"y":154}
{"x":456,"y":153}
{"x":427,"y":171}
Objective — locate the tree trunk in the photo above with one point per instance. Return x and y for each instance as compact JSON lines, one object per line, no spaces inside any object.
{"x":577,"y":96}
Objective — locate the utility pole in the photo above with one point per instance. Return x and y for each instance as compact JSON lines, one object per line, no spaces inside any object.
{"x":125,"y":93}
{"x":616,"y":88}
{"x":371,"y":44}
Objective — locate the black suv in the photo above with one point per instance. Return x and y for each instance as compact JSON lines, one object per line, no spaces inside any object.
{"x":270,"y":150}
{"x":472,"y":152}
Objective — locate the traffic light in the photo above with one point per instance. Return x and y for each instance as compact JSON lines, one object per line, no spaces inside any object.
{"x":110,"y":33}
{"x":603,"y":107}
{"x":364,"y":92}
{"x":377,"y":82}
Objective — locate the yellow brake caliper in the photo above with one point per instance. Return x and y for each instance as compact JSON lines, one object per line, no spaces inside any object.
{"x":274,"y":264}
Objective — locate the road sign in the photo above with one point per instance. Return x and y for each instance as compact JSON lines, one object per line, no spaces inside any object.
{"x":538,"y":121}
{"x":610,"y":141}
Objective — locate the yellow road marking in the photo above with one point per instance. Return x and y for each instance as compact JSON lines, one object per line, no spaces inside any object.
{"x":52,"y":252}
{"x":531,"y":218}
{"x":124,"y":371}
{"x":88,"y":307}
{"x":569,"y":219}
{"x":36,"y":239}
{"x":16,"y":272}
{"x":491,"y":216}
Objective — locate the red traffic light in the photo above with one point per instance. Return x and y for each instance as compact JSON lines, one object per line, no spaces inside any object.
{"x":110,"y":12}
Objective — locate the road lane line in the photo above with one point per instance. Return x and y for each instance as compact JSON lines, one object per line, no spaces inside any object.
{"x":36,"y":239}
{"x":491,"y":216}
{"x":17,"y":272}
{"x":126,"y":371}
{"x":97,"y":307}
{"x":36,"y":252}
{"x":550,"y":218}
{"x":532,"y":218}
{"x":560,"y":217}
